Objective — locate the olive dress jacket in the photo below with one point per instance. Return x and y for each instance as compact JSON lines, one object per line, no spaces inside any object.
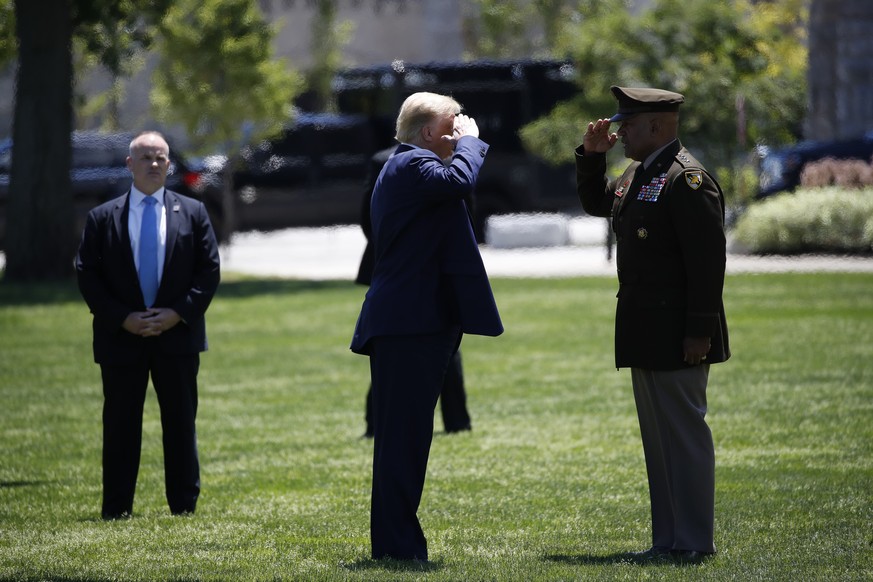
{"x":669,"y":228}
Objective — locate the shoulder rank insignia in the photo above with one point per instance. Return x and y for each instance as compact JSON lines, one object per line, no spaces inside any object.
{"x":694,"y":179}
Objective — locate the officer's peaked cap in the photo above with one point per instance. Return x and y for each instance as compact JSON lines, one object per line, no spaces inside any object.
{"x":634,"y":100}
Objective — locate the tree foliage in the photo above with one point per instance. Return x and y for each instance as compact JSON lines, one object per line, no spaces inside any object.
{"x":216,"y":75}
{"x":40,"y":199}
{"x":112,"y":32}
{"x":216,"y":72}
{"x":740,"y":67}
{"x":8,"y":42}
{"x":328,"y":39}
{"x":513,"y":28}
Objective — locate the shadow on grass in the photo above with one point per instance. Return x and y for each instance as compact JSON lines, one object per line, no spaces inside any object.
{"x":39,"y":578}
{"x":65,"y":291}
{"x":68,"y":291}
{"x":244,"y":287}
{"x":15,"y":484}
{"x":607,"y":559}
{"x":390,"y":565}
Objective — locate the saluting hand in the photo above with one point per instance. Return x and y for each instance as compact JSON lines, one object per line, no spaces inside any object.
{"x":463,"y":126}
{"x":597,"y":139}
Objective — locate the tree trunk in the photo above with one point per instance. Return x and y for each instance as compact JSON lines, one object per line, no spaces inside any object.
{"x":40,"y":242}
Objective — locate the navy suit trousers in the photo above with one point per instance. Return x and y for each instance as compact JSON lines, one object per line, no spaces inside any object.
{"x":407,"y":373}
{"x":124,"y":390}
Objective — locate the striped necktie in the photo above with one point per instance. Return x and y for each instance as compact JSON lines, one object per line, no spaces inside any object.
{"x":148,"y":252}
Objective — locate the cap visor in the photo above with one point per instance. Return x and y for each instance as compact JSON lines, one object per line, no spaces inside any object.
{"x":620,"y":117}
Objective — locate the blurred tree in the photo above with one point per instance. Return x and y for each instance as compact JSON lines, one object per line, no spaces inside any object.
{"x":40,"y":241}
{"x":501,"y":29}
{"x":328,"y":39}
{"x":227,"y":78}
{"x":216,"y":75}
{"x":740,"y":65}
{"x":8,"y":42}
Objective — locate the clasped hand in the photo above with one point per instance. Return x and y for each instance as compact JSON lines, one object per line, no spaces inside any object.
{"x":152,"y":322}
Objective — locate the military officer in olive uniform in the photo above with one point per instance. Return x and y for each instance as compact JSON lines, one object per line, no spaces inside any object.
{"x":668,"y":218}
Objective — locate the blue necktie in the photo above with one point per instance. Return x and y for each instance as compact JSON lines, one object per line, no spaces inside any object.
{"x":148,"y":252}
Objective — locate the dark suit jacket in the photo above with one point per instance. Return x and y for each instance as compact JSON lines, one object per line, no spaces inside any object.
{"x":428,"y":272}
{"x":669,"y":230}
{"x":108,"y":279}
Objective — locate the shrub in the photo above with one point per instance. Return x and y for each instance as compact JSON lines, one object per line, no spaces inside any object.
{"x":830,"y":220}
{"x":833,"y":172}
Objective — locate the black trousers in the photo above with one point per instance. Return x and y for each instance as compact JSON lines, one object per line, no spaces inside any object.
{"x":124,"y":390}
{"x":453,"y":399}
{"x":407,"y":373}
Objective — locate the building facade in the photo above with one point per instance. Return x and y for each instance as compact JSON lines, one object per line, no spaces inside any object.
{"x":840,"y":74}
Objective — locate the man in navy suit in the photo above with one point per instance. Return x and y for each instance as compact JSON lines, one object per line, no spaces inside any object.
{"x":429,"y":286}
{"x":453,"y":398}
{"x":148,"y":268}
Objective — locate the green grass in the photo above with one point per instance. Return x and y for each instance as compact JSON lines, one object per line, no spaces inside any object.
{"x":549,"y":485}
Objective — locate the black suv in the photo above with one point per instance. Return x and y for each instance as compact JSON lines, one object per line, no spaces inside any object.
{"x":502,"y":96}
{"x":313,"y":174}
{"x":99,"y":173}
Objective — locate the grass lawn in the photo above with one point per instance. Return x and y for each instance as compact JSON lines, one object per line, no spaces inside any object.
{"x":549,"y":485}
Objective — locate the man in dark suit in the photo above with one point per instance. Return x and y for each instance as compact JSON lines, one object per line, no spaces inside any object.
{"x":668,"y":217}
{"x":453,"y":398}
{"x":429,"y":286}
{"x":148,"y":268}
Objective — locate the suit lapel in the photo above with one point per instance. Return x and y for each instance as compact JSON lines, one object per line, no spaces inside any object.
{"x":630,"y":184}
{"x":120,"y":223}
{"x":172,"y":208}
{"x":119,"y":219}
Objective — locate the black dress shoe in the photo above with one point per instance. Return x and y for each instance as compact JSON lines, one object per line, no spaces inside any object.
{"x":113,"y":516}
{"x":652,"y":554}
{"x":690,"y":556}
{"x":454,"y":429}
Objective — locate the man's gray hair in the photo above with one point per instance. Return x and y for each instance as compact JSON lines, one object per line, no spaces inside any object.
{"x":418,"y":110}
